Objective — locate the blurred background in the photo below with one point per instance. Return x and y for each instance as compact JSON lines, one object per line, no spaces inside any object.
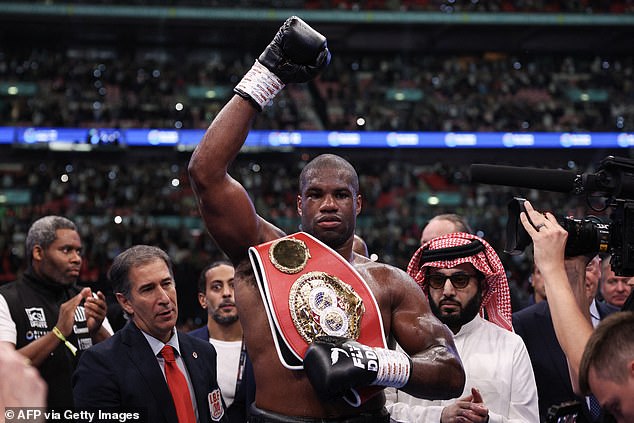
{"x":111,"y":66}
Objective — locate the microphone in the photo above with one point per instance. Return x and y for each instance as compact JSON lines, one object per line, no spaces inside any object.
{"x":556,"y":180}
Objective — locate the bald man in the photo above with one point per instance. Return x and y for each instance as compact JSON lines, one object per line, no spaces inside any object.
{"x":444,"y":224}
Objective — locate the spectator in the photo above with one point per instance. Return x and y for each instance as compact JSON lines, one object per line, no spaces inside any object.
{"x":614,"y":290}
{"x":443,"y":224}
{"x":46,"y":316}
{"x":536,"y":282}
{"x":568,"y":302}
{"x":462,"y":277}
{"x":535,"y":325}
{"x":147,"y":366}
{"x":224,"y":332}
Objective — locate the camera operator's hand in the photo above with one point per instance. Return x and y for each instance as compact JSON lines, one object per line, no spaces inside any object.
{"x":549,"y":238}
{"x":562,"y":279}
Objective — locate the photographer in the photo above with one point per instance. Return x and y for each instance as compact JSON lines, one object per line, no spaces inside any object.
{"x":568,"y":302}
{"x":534,"y":324}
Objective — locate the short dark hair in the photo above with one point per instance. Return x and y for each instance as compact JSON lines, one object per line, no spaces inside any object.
{"x":119,"y":273}
{"x":328,"y":161}
{"x":609,"y":349}
{"x":202,"y":280}
{"x":43,"y":232}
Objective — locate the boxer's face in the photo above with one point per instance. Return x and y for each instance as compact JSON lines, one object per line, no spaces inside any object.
{"x":329,"y":205}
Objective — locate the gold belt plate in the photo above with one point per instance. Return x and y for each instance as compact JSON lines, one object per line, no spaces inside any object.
{"x":322,"y":304}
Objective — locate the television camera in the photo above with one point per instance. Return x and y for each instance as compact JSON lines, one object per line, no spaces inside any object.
{"x":613,"y":180}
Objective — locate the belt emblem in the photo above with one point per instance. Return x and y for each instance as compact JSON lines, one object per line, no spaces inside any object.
{"x":289,"y":255}
{"x":322,"y":304}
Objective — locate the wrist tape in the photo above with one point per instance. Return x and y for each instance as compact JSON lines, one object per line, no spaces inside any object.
{"x":259,"y":85}
{"x":394,"y":368}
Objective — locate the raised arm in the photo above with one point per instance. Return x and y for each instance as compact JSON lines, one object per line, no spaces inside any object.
{"x":572,"y":325}
{"x":296,"y":54}
{"x":224,"y":205}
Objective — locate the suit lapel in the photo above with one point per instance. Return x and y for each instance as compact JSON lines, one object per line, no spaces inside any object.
{"x":142,"y":356}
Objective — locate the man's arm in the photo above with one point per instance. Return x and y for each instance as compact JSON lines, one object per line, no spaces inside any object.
{"x":429,"y":368}
{"x":40,"y":349}
{"x":296,"y":54}
{"x":94,"y":383}
{"x":437,"y":371}
{"x":224,"y":204}
{"x":572,"y":327}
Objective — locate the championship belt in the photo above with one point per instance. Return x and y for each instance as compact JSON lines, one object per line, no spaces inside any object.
{"x":309,"y":290}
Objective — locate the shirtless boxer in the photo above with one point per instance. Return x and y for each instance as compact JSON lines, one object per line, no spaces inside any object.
{"x":328,"y":204}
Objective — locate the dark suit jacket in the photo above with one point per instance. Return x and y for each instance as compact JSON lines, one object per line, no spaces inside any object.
{"x":122,"y":373}
{"x":237,"y":411}
{"x":535,"y":325}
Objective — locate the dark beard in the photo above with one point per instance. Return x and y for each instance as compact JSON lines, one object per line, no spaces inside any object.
{"x":224,"y":320}
{"x":467,"y":314}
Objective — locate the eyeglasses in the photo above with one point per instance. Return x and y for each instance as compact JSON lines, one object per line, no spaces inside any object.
{"x":458,"y":280}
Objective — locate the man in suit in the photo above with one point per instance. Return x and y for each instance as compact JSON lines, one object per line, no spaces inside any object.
{"x":224,"y":331}
{"x":138,"y":368}
{"x":613,"y":290}
{"x":535,"y":325}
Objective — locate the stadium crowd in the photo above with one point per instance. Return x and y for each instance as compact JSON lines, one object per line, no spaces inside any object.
{"x":118,"y":202}
{"x":120,"y":196}
{"x":475,"y":92}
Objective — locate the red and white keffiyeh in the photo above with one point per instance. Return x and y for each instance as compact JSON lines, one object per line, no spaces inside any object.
{"x":449,"y":251}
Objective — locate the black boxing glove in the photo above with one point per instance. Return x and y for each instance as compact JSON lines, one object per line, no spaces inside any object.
{"x":297,"y":54}
{"x":336,"y":365}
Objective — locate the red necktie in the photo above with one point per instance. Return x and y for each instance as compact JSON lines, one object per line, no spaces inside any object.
{"x":178,"y":387}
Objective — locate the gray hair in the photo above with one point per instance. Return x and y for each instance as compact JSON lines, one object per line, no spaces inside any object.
{"x":138,"y":255}
{"x":43,"y":232}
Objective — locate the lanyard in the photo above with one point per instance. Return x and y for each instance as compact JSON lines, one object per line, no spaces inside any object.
{"x":241,"y":366}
